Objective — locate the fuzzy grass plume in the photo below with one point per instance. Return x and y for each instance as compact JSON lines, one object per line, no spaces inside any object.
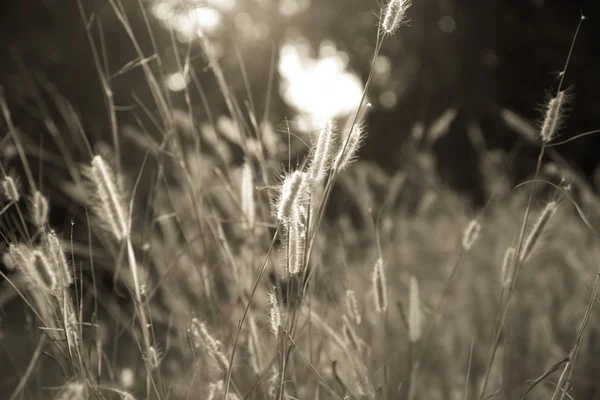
{"x":380,"y":287}
{"x":323,"y":151}
{"x":109,"y":206}
{"x":394,"y":16}
{"x":291,"y":190}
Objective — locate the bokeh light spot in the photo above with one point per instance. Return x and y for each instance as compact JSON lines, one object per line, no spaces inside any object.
{"x":176,"y":82}
{"x":388,"y":99}
{"x":447,"y":24}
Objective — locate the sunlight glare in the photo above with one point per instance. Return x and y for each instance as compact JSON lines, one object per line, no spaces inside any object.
{"x":319,"y":88}
{"x":191,"y":20}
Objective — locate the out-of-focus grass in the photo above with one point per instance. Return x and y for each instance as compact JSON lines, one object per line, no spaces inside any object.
{"x":200,"y":257}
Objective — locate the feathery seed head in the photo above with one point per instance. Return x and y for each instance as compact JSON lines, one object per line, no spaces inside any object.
{"x":321,"y":158}
{"x":41,"y":272}
{"x":71,"y":328}
{"x":274,"y":314}
{"x":380,"y":287}
{"x":39,"y":210}
{"x":394,"y":16}
{"x":59,"y":260}
{"x":352,"y":307}
{"x":295,"y":242}
{"x":247,"y":195}
{"x":507,"y":266}
{"x":554,"y":117}
{"x":346,"y":156}
{"x":10,"y":188}
{"x":110,"y":207}
{"x":471,"y":234}
{"x":291,"y":192}
{"x":536,"y":231}
{"x":414,"y":311}
{"x":153,"y":358}
{"x":202,"y":338}
{"x":17,"y":256}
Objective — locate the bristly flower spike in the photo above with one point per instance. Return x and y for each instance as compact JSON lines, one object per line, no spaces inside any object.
{"x":296,"y":236}
{"x":553,"y":118}
{"x":17,"y":256}
{"x":110,"y":205}
{"x":537,"y":230}
{"x":414,"y":311}
{"x":41,"y":272}
{"x":275,"y":318}
{"x":321,"y":161}
{"x":352,"y":307}
{"x":247,"y":194}
{"x":56,"y":252}
{"x":507,"y":265}
{"x":10,"y":189}
{"x":394,"y":16}
{"x":290,"y":192}
{"x":345,"y":156}
{"x":39,"y":210}
{"x":380,"y":287}
{"x":471,"y":234}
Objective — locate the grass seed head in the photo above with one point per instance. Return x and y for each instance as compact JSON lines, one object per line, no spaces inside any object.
{"x":57,"y":255}
{"x":39,"y":210}
{"x":394,"y":16}
{"x":295,"y":242}
{"x":247,"y":195}
{"x":352,"y":307}
{"x":537,"y":230}
{"x":380,"y":287}
{"x":41,"y":271}
{"x":471,"y":234}
{"x":346,"y":156}
{"x":507,"y":266}
{"x":153,"y":358}
{"x":322,"y":154}
{"x":275,"y":318}
{"x":17,"y":256}
{"x":10,"y":188}
{"x":291,"y":191}
{"x":201,"y":338}
{"x":554,"y":117}
{"x":414,"y":311}
{"x":110,"y":207}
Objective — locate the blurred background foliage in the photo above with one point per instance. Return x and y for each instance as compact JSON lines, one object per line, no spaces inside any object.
{"x":472,"y":57}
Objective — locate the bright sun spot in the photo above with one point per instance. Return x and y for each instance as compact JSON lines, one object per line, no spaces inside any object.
{"x":190,"y":20}
{"x":319,"y":88}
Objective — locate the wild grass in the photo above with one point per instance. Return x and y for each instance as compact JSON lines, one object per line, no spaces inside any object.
{"x":197,"y":274}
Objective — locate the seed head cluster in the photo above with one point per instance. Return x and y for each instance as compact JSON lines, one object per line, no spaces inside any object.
{"x":394,"y":16}
{"x":110,"y":206}
{"x":380,"y":287}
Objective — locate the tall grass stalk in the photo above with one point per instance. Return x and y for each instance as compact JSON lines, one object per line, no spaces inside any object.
{"x":518,"y":263}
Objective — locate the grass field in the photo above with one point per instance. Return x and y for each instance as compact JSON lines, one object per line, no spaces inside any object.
{"x":197,"y":261}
